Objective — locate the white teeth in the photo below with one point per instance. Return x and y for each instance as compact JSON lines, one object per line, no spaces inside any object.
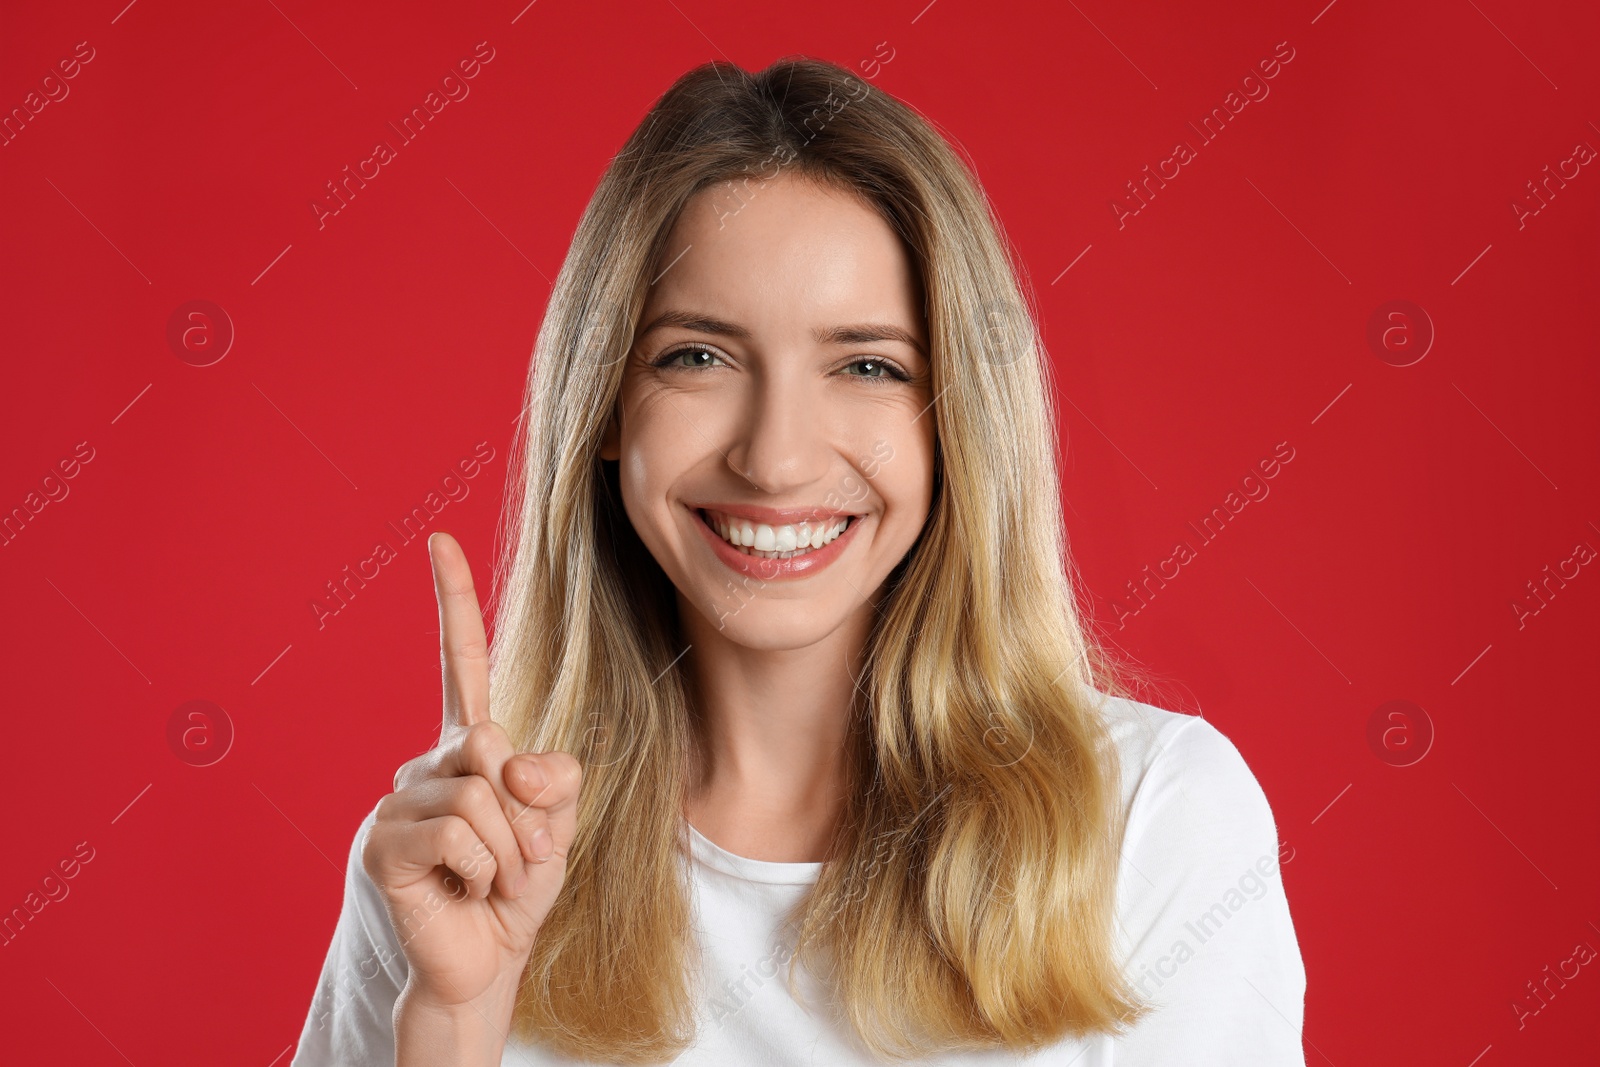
{"x":776,"y":542}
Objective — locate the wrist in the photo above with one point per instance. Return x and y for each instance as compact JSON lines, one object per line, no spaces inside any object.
{"x":430,"y":1031}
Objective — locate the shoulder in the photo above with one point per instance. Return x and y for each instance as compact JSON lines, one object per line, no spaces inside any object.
{"x":1179,"y":766}
{"x":1203,"y":919}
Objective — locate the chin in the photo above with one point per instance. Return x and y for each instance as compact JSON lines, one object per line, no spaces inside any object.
{"x":768,"y":627}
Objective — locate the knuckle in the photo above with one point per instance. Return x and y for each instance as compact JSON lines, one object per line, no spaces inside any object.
{"x":477,"y":795}
{"x":538,"y":819}
{"x":416,"y":769}
{"x":456,"y":835}
{"x":564,"y":769}
{"x":386,"y":807}
{"x":475,"y":861}
{"x":478,"y":865}
{"x":484,"y":742}
{"x":375,"y":851}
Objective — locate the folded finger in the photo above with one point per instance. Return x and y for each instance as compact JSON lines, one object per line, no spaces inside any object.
{"x":549,"y":781}
{"x":472,"y":798}
{"x":447,"y":841}
{"x":484,"y":750}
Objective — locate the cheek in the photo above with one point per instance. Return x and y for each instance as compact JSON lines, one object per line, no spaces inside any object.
{"x":654,"y":456}
{"x":645,"y":443}
{"x":900,"y":467}
{"x":635,"y":471}
{"x":644,"y":499}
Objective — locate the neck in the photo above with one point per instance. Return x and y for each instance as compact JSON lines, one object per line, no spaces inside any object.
{"x":772,"y":771}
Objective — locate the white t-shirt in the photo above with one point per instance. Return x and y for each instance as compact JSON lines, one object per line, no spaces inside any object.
{"x":1203,"y":929}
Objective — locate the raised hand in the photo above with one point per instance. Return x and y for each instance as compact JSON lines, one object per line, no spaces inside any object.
{"x":470,"y":849}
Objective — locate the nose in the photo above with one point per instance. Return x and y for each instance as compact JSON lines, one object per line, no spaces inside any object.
{"x":780,"y":443}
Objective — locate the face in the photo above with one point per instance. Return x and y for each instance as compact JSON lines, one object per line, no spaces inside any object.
{"x":777,"y":395}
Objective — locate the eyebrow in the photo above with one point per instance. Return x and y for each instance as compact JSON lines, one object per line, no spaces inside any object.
{"x":852,"y":334}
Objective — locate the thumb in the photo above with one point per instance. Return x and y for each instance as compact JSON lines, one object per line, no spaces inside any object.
{"x":551,"y":781}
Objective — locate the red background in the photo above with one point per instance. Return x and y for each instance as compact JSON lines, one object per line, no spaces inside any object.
{"x":374,"y":353}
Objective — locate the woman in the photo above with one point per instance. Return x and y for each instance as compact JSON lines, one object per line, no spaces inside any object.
{"x":791,"y":747}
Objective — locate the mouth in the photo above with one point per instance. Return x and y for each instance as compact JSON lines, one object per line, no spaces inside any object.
{"x":776,"y":550}
{"x":776,"y":541}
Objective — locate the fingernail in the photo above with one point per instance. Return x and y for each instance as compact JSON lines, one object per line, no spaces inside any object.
{"x":541,"y":844}
{"x":533,"y":775}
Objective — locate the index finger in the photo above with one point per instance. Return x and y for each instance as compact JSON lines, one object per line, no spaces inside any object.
{"x":463,"y":645}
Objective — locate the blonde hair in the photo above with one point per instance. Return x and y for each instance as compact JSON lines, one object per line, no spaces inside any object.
{"x":968,"y":900}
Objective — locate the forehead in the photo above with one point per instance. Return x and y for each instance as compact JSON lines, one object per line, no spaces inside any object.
{"x":785,"y":254}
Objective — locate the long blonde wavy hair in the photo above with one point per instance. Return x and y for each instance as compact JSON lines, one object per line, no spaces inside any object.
{"x":968,"y":898}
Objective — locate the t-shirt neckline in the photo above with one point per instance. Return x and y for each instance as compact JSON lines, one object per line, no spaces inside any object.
{"x":771,"y":872}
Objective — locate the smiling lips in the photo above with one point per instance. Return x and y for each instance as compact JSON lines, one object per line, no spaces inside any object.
{"x":775,"y":542}
{"x":775,"y":549}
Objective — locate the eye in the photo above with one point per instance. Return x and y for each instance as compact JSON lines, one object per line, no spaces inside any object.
{"x":672,"y":357}
{"x":877,"y":370}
